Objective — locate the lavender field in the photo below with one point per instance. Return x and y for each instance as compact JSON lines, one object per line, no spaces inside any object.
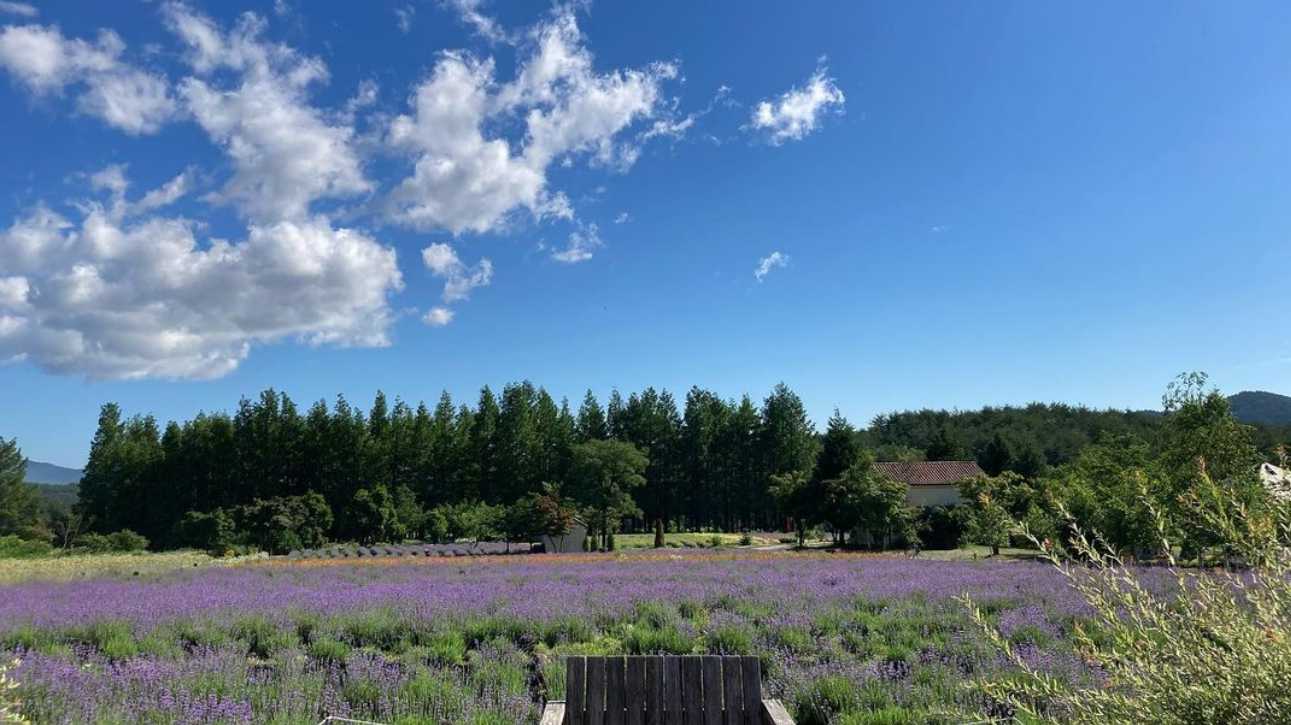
{"x":846,"y":639}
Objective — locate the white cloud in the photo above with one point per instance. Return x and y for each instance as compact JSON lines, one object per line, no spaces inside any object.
{"x":23,"y":9}
{"x":581,"y":244}
{"x":126,"y":97}
{"x":771,"y":261}
{"x":485,"y":26}
{"x":286,"y":154}
{"x":798,"y":111}
{"x":465,"y":180}
{"x":459,"y":280}
{"x":403,"y":17}
{"x":623,"y":218}
{"x":122,"y":299}
{"x":438,"y":316}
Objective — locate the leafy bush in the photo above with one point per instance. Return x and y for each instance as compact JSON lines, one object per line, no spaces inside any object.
{"x":93,"y":543}
{"x":214,"y":531}
{"x":14,"y":547}
{"x":126,"y":540}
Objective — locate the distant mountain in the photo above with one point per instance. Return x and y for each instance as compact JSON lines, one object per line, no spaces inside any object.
{"x":1257,"y":406}
{"x":38,"y":472}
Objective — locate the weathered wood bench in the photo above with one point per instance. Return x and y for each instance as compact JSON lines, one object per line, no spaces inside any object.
{"x":664,"y":690}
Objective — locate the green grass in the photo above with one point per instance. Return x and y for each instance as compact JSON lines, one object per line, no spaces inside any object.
{"x":973,"y":552}
{"x":687,"y":540}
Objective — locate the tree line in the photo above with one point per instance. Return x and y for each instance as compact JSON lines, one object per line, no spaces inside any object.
{"x":706,"y":463}
{"x":273,"y":476}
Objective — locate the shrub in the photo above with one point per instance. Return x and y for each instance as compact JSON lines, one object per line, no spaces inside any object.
{"x":824,"y":699}
{"x":794,"y":639}
{"x":126,"y":540}
{"x":261,"y":636}
{"x":214,"y":532}
{"x":745,"y":539}
{"x":649,"y":640}
{"x":730,"y":639}
{"x":446,"y":647}
{"x":328,"y":650}
{"x":93,"y":543}
{"x":14,"y":547}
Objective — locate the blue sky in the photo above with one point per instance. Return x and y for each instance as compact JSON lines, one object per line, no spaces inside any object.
{"x":954,"y":204}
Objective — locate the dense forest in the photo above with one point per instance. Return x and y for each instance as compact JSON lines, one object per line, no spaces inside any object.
{"x":341,"y":473}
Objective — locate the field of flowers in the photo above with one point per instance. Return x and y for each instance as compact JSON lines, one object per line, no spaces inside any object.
{"x":843,"y":638}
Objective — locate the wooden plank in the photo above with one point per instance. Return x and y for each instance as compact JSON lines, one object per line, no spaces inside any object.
{"x":636,"y":691}
{"x":751,"y":677}
{"x":615,"y":688}
{"x":553,"y":713}
{"x":692,"y":689}
{"x":576,"y":690}
{"x":712,"y":672}
{"x":595,"y":691}
{"x":773,"y":713}
{"x":654,"y":690}
{"x":673,"y":714}
{"x":732,"y":692}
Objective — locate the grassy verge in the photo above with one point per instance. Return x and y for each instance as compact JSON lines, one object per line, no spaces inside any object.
{"x":689,"y":540}
{"x":97,"y":566}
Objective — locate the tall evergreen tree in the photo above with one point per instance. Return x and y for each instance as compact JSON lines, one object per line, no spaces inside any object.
{"x":19,"y":507}
{"x":839,"y":449}
{"x":591,"y":420}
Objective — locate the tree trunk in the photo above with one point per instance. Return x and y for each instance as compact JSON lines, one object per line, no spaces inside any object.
{"x":658,"y":533}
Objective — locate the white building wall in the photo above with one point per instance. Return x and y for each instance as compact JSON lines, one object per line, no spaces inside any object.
{"x":936,"y":495}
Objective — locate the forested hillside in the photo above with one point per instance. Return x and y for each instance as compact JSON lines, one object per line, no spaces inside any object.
{"x":1262,"y":408}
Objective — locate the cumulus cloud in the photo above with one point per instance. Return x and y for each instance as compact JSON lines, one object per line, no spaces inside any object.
{"x":123,"y":297}
{"x":798,"y":111}
{"x":124,"y":96}
{"x":459,"y":279}
{"x":286,"y":153}
{"x":124,"y":292}
{"x":467,"y":179}
{"x":438,"y":316}
{"x":772,"y":261}
{"x":22,"y":9}
{"x":581,"y":244}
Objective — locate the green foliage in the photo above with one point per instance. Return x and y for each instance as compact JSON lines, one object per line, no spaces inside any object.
{"x":872,"y":504}
{"x":13,"y":547}
{"x":279,"y":525}
{"x":373,"y":517}
{"x":20,"y":510}
{"x":824,"y":699}
{"x":989,"y":521}
{"x":261,"y":636}
{"x":1219,"y":652}
{"x":213,"y":532}
{"x":469,"y":520}
{"x":329,"y":650}
{"x":125,"y":541}
{"x":604,"y":474}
